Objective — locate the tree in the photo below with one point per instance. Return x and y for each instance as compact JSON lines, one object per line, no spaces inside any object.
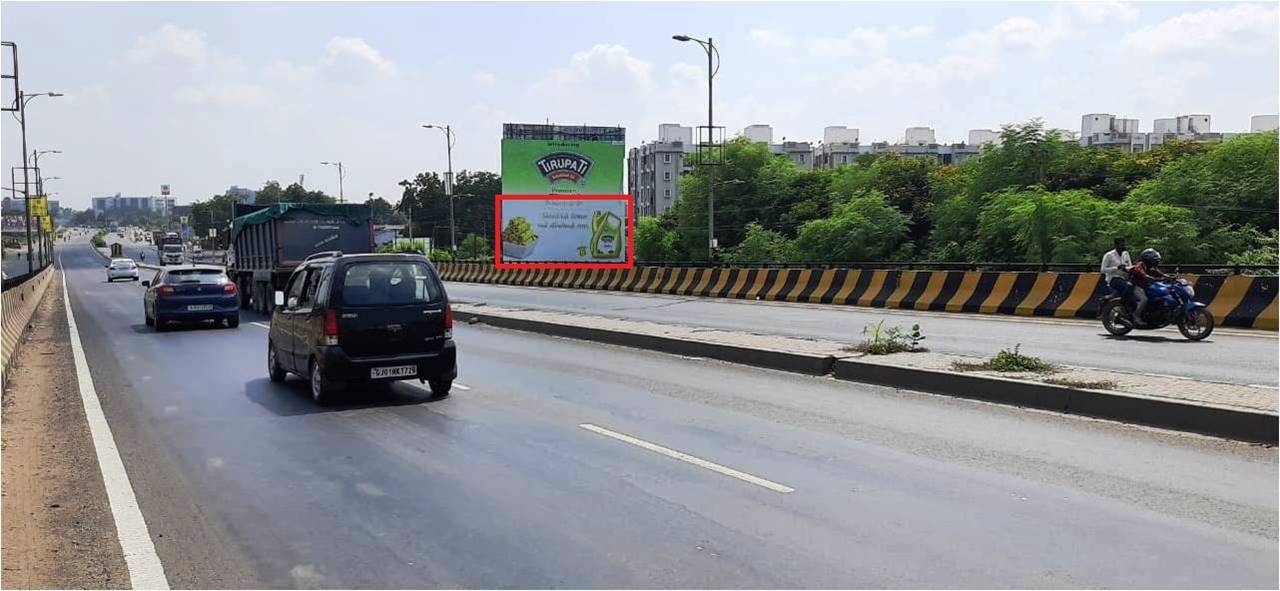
{"x":1041,"y":226}
{"x":865,"y":228}
{"x":423,"y":201}
{"x":1023,"y":158}
{"x":269,"y":194}
{"x":1234,"y":182}
{"x":761,"y":246}
{"x":296,"y":193}
{"x":737,"y":199}
{"x":654,"y":242}
{"x":905,"y":183}
{"x":384,"y":213}
{"x":474,"y":247}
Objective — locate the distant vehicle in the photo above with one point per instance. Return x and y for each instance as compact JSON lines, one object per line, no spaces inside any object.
{"x":268,"y":242}
{"x":357,"y":319}
{"x":190,"y":293}
{"x":170,"y":249}
{"x":122,"y":268}
{"x":157,"y":237}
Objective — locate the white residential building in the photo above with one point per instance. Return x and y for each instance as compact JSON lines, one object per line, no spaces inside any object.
{"x":654,"y":169}
{"x":1261,"y":123}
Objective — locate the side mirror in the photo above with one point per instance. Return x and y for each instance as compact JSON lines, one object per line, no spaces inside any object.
{"x":293,"y":302}
{"x":279,"y":298}
{"x":146,"y":284}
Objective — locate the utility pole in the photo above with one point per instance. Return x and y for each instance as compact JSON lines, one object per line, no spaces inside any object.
{"x":713,"y":67}
{"x":340,"y":177}
{"x":449,"y":140}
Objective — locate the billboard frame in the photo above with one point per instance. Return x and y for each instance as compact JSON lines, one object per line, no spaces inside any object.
{"x":497,"y":231}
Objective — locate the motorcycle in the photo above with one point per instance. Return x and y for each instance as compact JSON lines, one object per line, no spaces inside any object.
{"x":1168,"y":302}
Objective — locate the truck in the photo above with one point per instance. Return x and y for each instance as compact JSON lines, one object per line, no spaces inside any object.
{"x":157,"y":237}
{"x":269,"y":241}
{"x":171,"y":249}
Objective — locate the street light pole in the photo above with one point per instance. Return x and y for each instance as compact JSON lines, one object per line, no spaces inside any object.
{"x":449,"y":140}
{"x":340,"y":176}
{"x":709,"y":47}
{"x":35,"y":155}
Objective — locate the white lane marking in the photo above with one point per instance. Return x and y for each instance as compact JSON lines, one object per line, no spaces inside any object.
{"x":461,"y":386}
{"x":145,"y":570}
{"x":701,"y":463}
{"x":262,"y":324}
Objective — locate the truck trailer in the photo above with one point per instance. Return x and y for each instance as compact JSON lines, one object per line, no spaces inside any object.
{"x":268,"y":242}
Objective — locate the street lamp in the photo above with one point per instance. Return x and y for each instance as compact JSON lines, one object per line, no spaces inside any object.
{"x":25,"y":98}
{"x":340,"y":177}
{"x":449,"y":140}
{"x":712,"y":68}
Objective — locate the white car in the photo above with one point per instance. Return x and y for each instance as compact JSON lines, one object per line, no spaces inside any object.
{"x":122,"y":269}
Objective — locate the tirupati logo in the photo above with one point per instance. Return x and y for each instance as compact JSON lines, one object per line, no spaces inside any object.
{"x":564,"y":166}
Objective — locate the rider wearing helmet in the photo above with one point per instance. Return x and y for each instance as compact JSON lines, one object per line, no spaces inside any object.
{"x":1141,"y":275}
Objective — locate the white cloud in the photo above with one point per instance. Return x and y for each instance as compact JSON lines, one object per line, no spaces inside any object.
{"x":865,"y":42}
{"x":347,"y":60}
{"x":171,"y":44}
{"x":172,"y":41}
{"x":352,"y":59}
{"x":224,"y":94}
{"x":1102,"y":10}
{"x":770,"y":39}
{"x":605,"y":69}
{"x":484,"y":78}
{"x":1013,"y":34}
{"x":1239,"y":26}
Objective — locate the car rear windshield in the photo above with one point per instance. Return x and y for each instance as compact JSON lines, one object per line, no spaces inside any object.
{"x":388,"y":284}
{"x":196,"y":276}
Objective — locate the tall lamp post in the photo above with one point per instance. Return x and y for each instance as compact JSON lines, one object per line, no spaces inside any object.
{"x":712,"y":68}
{"x":340,"y":177}
{"x":35,"y":155}
{"x":23,"y":99}
{"x":449,"y":140}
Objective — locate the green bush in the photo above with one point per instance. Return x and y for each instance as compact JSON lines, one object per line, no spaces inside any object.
{"x":1008,"y":361}
{"x":99,"y":240}
{"x":883,"y":341}
{"x":440,"y":255}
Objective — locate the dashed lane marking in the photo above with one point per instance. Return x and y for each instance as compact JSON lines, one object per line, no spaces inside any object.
{"x":262,"y":324}
{"x":683,"y":457}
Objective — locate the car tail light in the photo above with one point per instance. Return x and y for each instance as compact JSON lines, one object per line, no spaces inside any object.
{"x":229,"y":288}
{"x":330,"y":327}
{"x":448,"y":320}
{"x":165,"y":290}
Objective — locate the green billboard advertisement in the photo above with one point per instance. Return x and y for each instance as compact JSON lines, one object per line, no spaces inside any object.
{"x":568,"y":167}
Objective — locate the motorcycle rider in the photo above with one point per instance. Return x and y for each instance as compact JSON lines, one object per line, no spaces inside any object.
{"x":1115,"y":268}
{"x":1141,"y":275}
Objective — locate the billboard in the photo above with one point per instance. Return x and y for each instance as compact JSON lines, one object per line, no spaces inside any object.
{"x":564,"y":232}
{"x":561,"y":167}
{"x":39,"y":206}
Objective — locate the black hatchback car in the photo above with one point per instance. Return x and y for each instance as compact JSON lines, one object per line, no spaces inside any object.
{"x":346,"y":320}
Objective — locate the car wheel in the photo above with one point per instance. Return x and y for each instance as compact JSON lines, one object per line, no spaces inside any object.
{"x":440,"y":388}
{"x":161,"y":324}
{"x":321,"y":388}
{"x":274,"y":371}
{"x":233,"y":321}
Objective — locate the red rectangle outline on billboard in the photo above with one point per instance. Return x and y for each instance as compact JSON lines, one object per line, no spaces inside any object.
{"x":497,"y":231}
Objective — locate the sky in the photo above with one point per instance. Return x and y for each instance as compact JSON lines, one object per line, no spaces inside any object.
{"x":202,"y":96}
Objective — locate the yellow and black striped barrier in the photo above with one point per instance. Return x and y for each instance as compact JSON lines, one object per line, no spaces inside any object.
{"x":1234,"y":300}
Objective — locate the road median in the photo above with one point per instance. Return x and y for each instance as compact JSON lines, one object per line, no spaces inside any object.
{"x":1234,"y":411}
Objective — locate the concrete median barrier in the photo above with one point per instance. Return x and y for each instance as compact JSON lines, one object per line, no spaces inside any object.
{"x":1234,"y":411}
{"x":1235,"y":300}
{"x":19,"y":305}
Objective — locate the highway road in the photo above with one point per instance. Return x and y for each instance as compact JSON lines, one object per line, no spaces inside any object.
{"x":559,"y":463}
{"x":1234,"y":356}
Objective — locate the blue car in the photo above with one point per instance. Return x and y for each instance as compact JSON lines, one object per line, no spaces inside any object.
{"x":191,"y":293}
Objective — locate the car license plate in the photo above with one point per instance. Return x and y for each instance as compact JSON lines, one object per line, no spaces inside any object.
{"x":199,"y":307}
{"x":400,"y":371}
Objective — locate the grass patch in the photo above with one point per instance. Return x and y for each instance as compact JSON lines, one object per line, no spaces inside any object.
{"x":1070,"y":383}
{"x":883,"y":341}
{"x":1008,"y":361}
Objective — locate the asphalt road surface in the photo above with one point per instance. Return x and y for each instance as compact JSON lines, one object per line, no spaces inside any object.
{"x":1234,"y":356}
{"x":558,"y":463}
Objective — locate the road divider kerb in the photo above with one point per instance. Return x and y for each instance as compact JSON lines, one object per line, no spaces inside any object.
{"x":1230,"y":422}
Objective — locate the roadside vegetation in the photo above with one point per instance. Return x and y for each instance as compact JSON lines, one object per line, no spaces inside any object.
{"x":99,"y":239}
{"x":1010,"y":361}
{"x":1084,"y":384}
{"x":882,"y":340}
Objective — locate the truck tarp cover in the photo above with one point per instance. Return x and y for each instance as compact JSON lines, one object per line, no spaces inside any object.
{"x":307,"y":228}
